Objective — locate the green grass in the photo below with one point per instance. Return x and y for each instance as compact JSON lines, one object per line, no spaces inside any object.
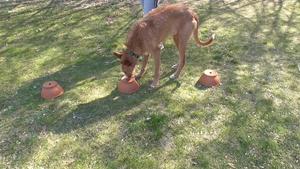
{"x":250,"y":121}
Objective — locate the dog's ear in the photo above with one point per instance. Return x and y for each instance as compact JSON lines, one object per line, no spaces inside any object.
{"x":118,"y":54}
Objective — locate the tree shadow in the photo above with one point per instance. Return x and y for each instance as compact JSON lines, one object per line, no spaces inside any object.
{"x":92,"y":62}
{"x":251,"y":140}
{"x":241,"y":49}
{"x":247,"y":141}
{"x":25,"y":102}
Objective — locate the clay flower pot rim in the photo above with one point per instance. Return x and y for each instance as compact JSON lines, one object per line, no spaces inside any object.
{"x":50,"y":84}
{"x":128,"y":85}
{"x":209,"y":78}
{"x":210,"y":72}
{"x":129,"y":80}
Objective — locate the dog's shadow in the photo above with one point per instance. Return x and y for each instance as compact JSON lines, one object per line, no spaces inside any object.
{"x":104,"y":108}
{"x":201,"y":87}
{"x":168,"y":82}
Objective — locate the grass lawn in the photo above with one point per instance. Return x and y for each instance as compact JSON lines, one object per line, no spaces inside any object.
{"x":251,"y":121}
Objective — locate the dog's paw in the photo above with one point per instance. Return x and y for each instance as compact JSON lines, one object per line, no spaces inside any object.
{"x":173,"y":76}
{"x":138,"y":77}
{"x":174,"y":66}
{"x":213,"y":36}
{"x":153,"y":85}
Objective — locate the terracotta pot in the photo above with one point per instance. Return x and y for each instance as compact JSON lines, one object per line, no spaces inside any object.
{"x":209,"y":78}
{"x":51,"y":90}
{"x":128,"y":86}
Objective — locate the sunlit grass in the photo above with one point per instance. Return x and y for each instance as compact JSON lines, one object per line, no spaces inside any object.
{"x":250,"y":121}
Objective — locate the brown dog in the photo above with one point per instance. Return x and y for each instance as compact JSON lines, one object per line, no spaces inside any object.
{"x":145,"y":36}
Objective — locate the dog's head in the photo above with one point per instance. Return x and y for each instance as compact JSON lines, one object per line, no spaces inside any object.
{"x":128,"y":61}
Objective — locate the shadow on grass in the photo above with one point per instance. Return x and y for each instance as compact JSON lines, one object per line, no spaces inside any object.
{"x":251,"y":138}
{"x":97,"y":59}
{"x":108,"y":106}
{"x":243,"y":48}
{"x":249,"y":142}
{"x":26,"y":102}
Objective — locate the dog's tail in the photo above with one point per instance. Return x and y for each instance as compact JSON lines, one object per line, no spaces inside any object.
{"x":196,"y":37}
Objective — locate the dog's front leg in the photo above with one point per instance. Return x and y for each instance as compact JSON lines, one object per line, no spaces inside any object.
{"x":144,"y":66}
{"x":156,"y":57}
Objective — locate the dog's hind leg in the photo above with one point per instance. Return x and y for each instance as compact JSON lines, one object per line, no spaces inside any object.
{"x":181,"y":63}
{"x":175,"y":38}
{"x":183,"y":38}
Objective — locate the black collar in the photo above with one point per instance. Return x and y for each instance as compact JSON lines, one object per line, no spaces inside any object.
{"x":130,"y":53}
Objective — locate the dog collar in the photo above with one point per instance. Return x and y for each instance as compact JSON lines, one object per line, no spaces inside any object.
{"x":130,"y":53}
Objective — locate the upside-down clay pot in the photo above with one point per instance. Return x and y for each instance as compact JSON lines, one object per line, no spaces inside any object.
{"x":51,"y":90}
{"x":209,"y":78}
{"x":128,"y":85}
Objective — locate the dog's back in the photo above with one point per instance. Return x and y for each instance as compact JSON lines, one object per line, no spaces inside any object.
{"x":161,"y":22}
{"x":168,"y":19}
